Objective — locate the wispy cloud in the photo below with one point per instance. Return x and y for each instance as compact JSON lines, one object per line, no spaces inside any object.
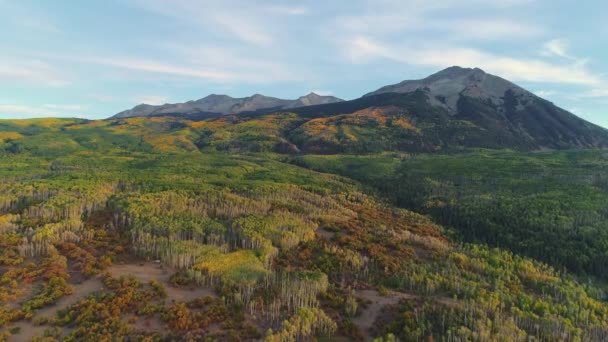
{"x":241,"y":19}
{"x":11,"y":109}
{"x":251,"y":67}
{"x":158,"y":67}
{"x":31,"y":71}
{"x":175,"y":61}
{"x":556,"y":47}
{"x":415,"y":16}
{"x":243,"y":28}
{"x":362,"y":49}
{"x":219,"y":66}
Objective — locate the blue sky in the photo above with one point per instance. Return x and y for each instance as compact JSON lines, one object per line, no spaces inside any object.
{"x":95,"y":58}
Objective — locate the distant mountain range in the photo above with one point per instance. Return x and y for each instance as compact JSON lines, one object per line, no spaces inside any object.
{"x":224,"y":104}
{"x":456,"y":107}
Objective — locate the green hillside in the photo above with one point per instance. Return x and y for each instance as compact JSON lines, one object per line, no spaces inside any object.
{"x":257,"y":245}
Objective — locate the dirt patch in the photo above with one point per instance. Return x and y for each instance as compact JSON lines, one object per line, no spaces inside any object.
{"x":325,"y":233}
{"x":143,"y":272}
{"x":28,"y":331}
{"x":147,"y":271}
{"x":366,"y":318}
{"x":81,"y":291}
{"x":150,"y":324}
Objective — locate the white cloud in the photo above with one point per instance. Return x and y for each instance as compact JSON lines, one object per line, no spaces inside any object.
{"x":151,"y":99}
{"x":243,"y":20}
{"x":188,"y":61}
{"x":472,"y":29}
{"x":151,"y":66}
{"x":556,"y":47}
{"x":45,"y":110}
{"x":362,"y":49}
{"x":215,"y":68}
{"x":383,"y":18}
{"x":251,"y":68}
{"x":243,"y":28}
{"x":24,"y":111}
{"x":31,"y":71}
{"x":10,"y":109}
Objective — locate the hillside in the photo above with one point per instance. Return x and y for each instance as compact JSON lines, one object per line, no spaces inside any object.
{"x":252,"y":246}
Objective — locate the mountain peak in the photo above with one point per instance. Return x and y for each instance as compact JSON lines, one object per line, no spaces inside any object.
{"x":457,"y":71}
{"x":311,"y":94}
{"x":258,"y":96}
{"x":313,"y":99}
{"x":215,"y":96}
{"x":445,"y":88}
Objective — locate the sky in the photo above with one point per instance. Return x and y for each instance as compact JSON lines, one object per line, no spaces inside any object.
{"x":92,"y":59}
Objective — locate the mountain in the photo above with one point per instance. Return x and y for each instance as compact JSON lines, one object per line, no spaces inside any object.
{"x":223,"y":104}
{"x":462,"y":107}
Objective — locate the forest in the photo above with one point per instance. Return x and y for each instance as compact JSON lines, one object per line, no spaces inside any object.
{"x":550,"y":206}
{"x":163,"y":229}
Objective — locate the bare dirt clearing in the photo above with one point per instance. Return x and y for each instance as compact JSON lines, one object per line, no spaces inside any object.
{"x":142,"y":271}
{"x":366,"y":318}
{"x":151,"y":271}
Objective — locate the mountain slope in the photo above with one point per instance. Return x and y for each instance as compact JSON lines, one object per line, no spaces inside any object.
{"x":223,"y":104}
